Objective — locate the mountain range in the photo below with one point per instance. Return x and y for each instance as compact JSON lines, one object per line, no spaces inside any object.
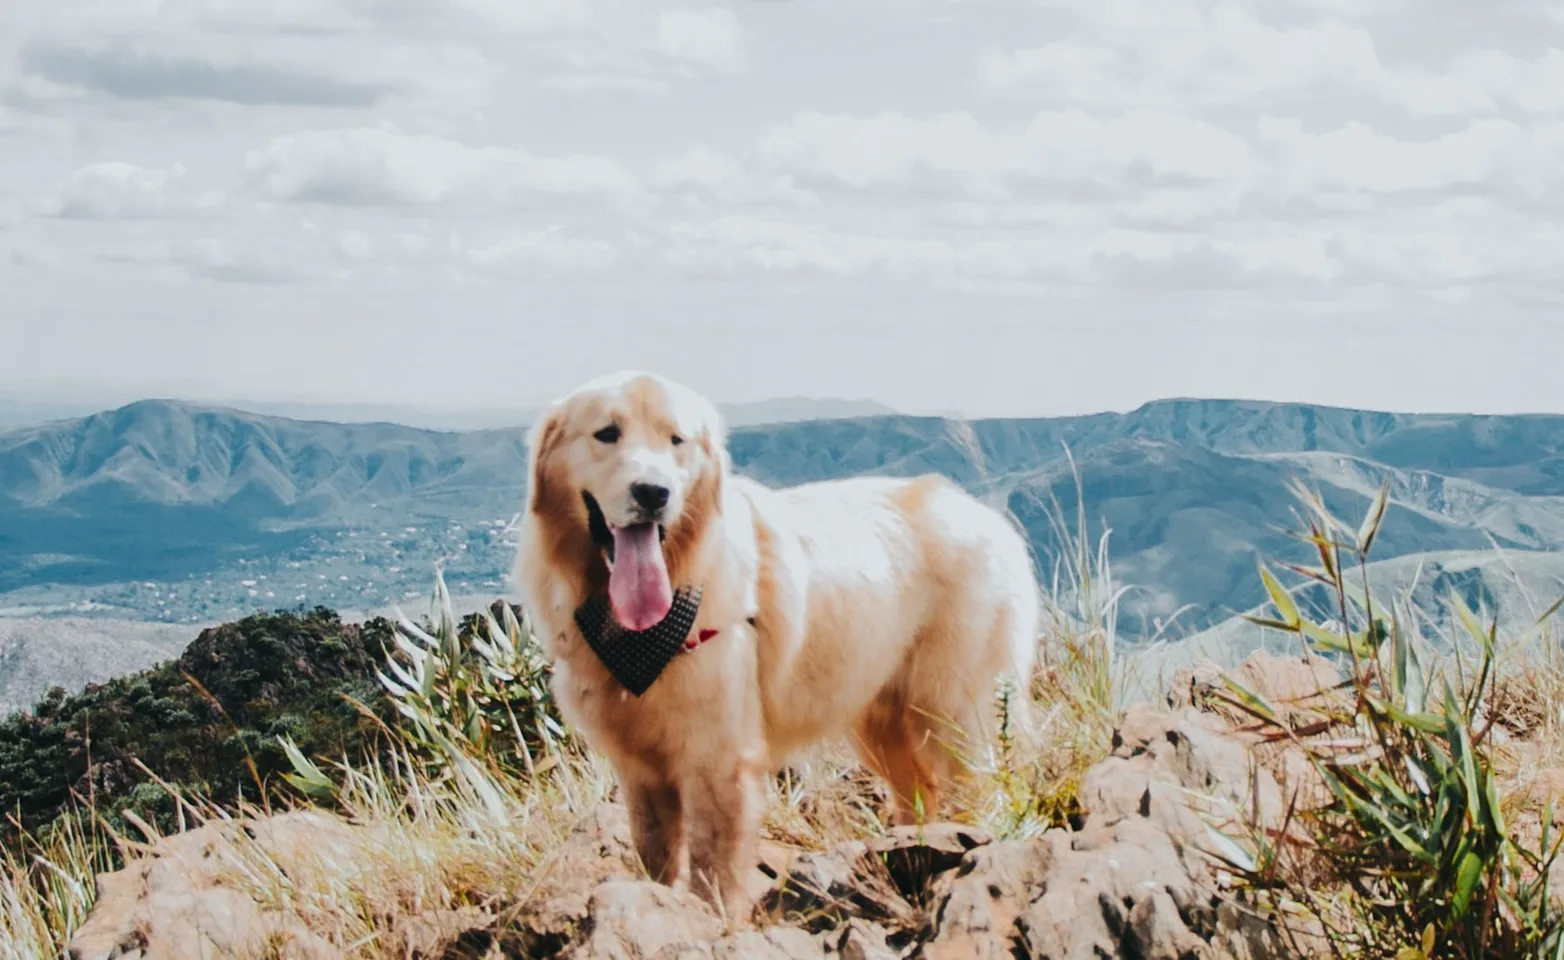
{"x":184,"y":513}
{"x":25,"y":409}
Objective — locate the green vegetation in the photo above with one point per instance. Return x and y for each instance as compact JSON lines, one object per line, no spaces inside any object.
{"x":209,"y":721}
{"x":1408,"y":855}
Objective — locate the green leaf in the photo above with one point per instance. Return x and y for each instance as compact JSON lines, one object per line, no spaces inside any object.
{"x":1271,"y":624}
{"x":307,"y":778}
{"x":1279,"y":596}
{"x":1470,"y":623}
{"x":1421,"y":721}
{"x":1493,"y":812}
{"x":1461,"y":751}
{"x":1331,"y":641}
{"x":1469,"y":873}
{"x":1552,"y":609}
{"x":1251,"y":702}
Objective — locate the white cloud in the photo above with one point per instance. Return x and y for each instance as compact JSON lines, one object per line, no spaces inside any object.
{"x":712,"y":38}
{"x":604,"y":84}
{"x":706,"y":174}
{"x":732,"y":244}
{"x":534,"y":16}
{"x":1228,"y":56}
{"x":891,"y":149}
{"x":313,"y":251}
{"x":548,"y":250}
{"x":149,"y":17}
{"x":1224,"y":54}
{"x":1119,"y":161}
{"x":308,"y":254}
{"x":1498,"y":156}
{"x":113,"y":190}
{"x":376,"y":166}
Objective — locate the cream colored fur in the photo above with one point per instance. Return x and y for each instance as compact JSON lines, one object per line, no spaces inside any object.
{"x":880,"y":609}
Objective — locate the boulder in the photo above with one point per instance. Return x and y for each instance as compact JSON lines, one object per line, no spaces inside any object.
{"x":179,"y":899}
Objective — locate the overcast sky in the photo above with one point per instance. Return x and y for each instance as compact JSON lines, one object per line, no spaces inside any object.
{"x":998,"y":206}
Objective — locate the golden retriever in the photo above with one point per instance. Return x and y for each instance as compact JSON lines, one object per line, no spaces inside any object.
{"x":884,"y":609}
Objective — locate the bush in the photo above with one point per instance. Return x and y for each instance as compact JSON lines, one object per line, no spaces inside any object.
{"x":1411,"y":856}
{"x":477,"y":690}
{"x":207,"y":722}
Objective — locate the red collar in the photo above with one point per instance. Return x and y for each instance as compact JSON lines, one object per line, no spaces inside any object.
{"x":702,"y":637}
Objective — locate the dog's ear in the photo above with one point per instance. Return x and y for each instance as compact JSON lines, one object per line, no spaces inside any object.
{"x":542,"y":440}
{"x":714,"y":433}
{"x":714,"y":441}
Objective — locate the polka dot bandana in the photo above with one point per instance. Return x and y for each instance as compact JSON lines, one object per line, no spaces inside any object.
{"x":636,"y":658}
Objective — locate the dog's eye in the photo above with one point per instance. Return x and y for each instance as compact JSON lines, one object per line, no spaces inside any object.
{"x":677,"y":439}
{"x":609,"y":434}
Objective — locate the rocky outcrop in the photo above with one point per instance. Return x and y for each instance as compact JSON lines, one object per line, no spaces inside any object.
{"x":181,"y":899}
{"x":1138,"y":876}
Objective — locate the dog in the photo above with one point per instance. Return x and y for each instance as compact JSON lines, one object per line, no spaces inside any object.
{"x":883,"y":609}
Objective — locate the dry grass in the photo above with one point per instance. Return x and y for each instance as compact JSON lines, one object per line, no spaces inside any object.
{"x":446,"y":827}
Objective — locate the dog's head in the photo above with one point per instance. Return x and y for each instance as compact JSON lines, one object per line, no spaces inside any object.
{"x":633,"y":464}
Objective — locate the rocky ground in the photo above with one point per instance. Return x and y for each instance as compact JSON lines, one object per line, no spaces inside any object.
{"x":1139,"y":875}
{"x":1132,"y":880}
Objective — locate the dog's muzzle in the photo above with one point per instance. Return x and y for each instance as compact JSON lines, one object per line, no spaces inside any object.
{"x":597,"y":526}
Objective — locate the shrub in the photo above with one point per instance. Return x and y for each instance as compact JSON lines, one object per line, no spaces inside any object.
{"x":1411,"y":856}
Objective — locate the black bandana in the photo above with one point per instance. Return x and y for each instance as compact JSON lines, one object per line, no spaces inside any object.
{"x":636,"y":658}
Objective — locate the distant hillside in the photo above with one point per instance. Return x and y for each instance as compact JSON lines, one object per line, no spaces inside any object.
{"x":184,"y":513}
{"x":1519,"y":587}
{"x":255,"y":680}
{"x":36,"y":653}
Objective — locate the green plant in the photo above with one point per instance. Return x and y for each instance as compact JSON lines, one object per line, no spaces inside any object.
{"x":474,"y":689}
{"x":1409,"y":855}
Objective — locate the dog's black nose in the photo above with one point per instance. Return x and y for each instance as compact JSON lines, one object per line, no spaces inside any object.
{"x":649,"y":496}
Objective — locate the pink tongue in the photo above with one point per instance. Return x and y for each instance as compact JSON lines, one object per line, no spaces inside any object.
{"x":638,"y":583}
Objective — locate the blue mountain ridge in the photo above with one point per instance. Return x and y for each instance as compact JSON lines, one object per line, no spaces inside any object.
{"x":181,"y":512}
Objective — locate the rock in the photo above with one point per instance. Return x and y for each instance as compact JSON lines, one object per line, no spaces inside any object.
{"x":980,"y":903}
{"x":177,"y":900}
{"x":1108,"y":881}
{"x":631,"y":919}
{"x":1136,"y":878}
{"x":1193,"y":685}
{"x":914,"y":855}
{"x":864,"y":941}
{"x":821,"y":891}
{"x":1287,"y":683}
{"x":1159,"y":758}
{"x":777,"y":943}
{"x":466,"y":934}
{"x":1287,"y":680}
{"x":597,"y":851}
{"x":1294,"y":689}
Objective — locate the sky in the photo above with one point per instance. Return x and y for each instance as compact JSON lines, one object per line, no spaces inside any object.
{"x":1000,"y":207}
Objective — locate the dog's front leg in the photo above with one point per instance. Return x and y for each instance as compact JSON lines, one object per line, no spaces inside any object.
{"x":656,"y":826}
{"x":722,"y":808}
